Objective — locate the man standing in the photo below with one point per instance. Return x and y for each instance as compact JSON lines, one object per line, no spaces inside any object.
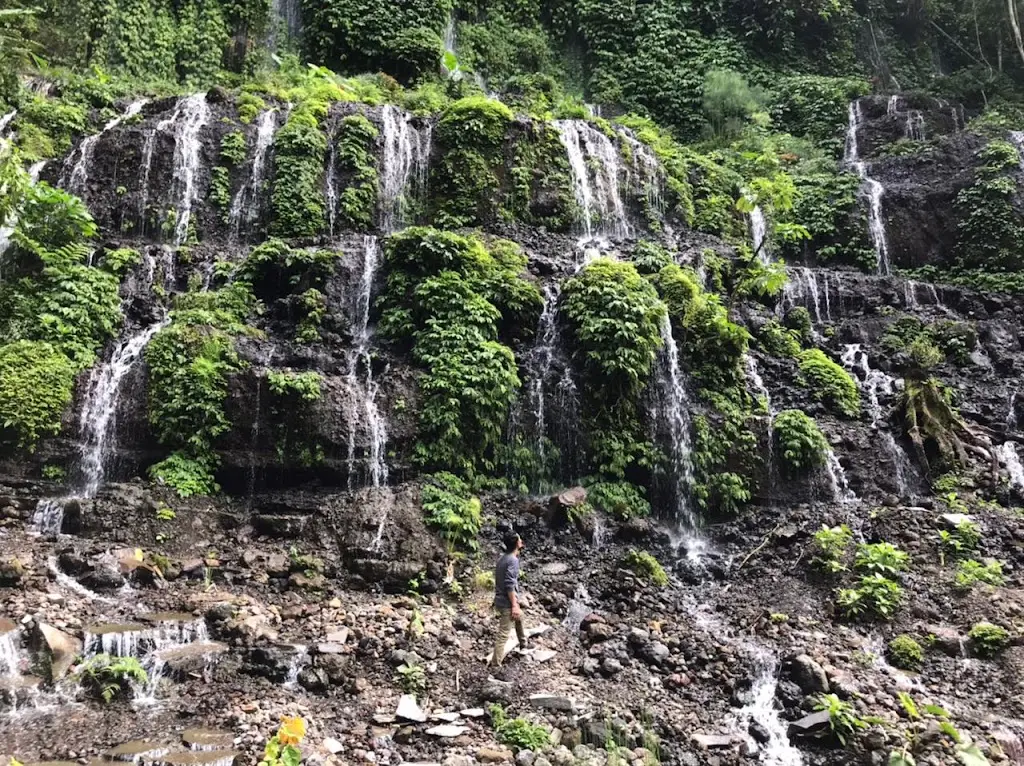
{"x":506,"y":597}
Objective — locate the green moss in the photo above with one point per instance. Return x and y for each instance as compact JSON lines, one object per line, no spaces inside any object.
{"x":294,"y":418}
{"x":357,"y":163}
{"x":233,"y":148}
{"x":987,"y":640}
{"x":465,"y":185}
{"x":249,"y":107}
{"x":829,"y":383}
{"x":801,"y":443}
{"x":540,"y":185}
{"x":36,"y":382}
{"x":300,"y":150}
{"x":648,"y":567}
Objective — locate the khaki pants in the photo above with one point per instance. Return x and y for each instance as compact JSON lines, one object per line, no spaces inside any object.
{"x":505,"y":623}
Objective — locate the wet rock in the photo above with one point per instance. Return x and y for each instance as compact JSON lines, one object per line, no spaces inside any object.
{"x":447,"y":731}
{"x":611,"y":666}
{"x":811,"y":725}
{"x":551,"y":702}
{"x":806,"y":673}
{"x":713,"y":741}
{"x":280,"y":526}
{"x":136,"y":751}
{"x":104,"y":578}
{"x":207,"y":739}
{"x":59,"y":649}
{"x":11,"y":571}
{"x":758,"y":732}
{"x":408,"y":710}
{"x":199,"y":758}
{"x":947,"y":639}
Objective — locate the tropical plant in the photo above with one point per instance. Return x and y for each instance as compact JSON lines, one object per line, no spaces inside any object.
{"x":874,"y":595}
{"x":109,"y":677}
{"x":881,"y":558}
{"x":518,"y":732}
{"x":832,"y":544}
{"x":987,"y":639}
{"x":282,"y":749}
{"x":970,"y":572}
{"x":843,"y":720}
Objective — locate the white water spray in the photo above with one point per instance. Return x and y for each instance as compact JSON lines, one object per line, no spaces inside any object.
{"x":75,"y":175}
{"x":596,"y":168}
{"x":874,"y":188}
{"x":245,"y":207}
{"x":404,"y":167}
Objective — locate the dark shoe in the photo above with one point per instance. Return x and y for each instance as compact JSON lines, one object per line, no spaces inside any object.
{"x":524,"y":646}
{"x":500,"y":674}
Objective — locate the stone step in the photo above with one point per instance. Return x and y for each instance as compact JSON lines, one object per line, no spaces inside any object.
{"x":199,"y":758}
{"x":191,"y":658}
{"x":158,"y":617}
{"x":138,"y":750}
{"x":207,"y":739}
{"x":107,"y":628}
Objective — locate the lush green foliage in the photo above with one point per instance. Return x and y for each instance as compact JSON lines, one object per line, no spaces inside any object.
{"x":801,"y":443}
{"x":881,"y":558}
{"x":619,"y":499}
{"x":648,"y":567}
{"x":190,"y":364}
{"x":831,"y":545}
{"x":905,"y":653}
{"x":300,"y":149}
{"x":960,"y":541}
{"x":518,"y":732}
{"x":449,"y":295}
{"x":875,"y":595}
{"x":829,"y":382}
{"x":843,"y":720}
{"x":36,"y":383}
{"x":614,"y":315}
{"x":449,"y":507}
{"x":354,"y":145}
{"x":110,"y":677}
{"x":988,"y":228}
{"x":987,"y":640}
{"x":465,"y":188}
{"x":970,"y":572}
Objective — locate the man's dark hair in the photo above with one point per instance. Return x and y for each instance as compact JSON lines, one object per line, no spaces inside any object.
{"x":511,"y":541}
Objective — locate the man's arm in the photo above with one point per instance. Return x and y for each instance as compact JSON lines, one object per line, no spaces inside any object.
{"x":511,"y":587}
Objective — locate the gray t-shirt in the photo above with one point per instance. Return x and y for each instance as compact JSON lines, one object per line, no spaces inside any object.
{"x":506,"y":578}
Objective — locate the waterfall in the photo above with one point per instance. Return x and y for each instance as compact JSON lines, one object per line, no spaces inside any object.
{"x":405,"y":163}
{"x":596,"y":167}
{"x":913,"y":125}
{"x":579,"y":608}
{"x":1007,"y":454}
{"x":759,"y":234}
{"x":761,"y":390}
{"x":5,"y":120}
{"x":840,"y":487}
{"x":190,"y":115}
{"x":103,"y":396}
{"x":537,"y":363}
{"x":1011,"y":412}
{"x":246,"y":204}
{"x":1017,"y":137}
{"x":450,"y":48}
{"x":286,"y":15}
{"x":761,"y":708}
{"x":75,"y":175}
{"x":296,"y":663}
{"x":874,"y":384}
{"x":802,"y":289}
{"x":875,"y":190}
{"x":363,"y":387}
{"x":674,"y":413}
{"x":644,"y":174}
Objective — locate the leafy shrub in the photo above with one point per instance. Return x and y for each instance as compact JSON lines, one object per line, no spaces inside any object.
{"x":650,"y":257}
{"x":987,"y":640}
{"x":802,"y":444}
{"x":875,"y":595}
{"x":413,"y":679}
{"x":829,"y":382}
{"x":619,"y":499}
{"x":842,"y":717}
{"x":905,"y":653}
{"x":295,"y":423}
{"x":518,"y":732}
{"x":110,"y":677}
{"x":881,"y":558}
{"x":832,"y":544}
{"x":778,"y":341}
{"x":297,"y":201}
{"x":233,"y":148}
{"x":798,"y":319}
{"x":970,"y":572}
{"x":729,"y":102}
{"x":648,"y":567}
{"x":450,"y":508}
{"x":36,"y":383}
{"x":962,"y":540}
{"x":356,"y":160}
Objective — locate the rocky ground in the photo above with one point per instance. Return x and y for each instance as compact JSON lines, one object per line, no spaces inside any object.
{"x":681,"y":666}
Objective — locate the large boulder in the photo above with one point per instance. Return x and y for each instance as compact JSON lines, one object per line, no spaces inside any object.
{"x":58,"y":649}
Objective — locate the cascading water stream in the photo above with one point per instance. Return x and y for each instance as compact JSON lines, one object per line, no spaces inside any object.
{"x":596,"y":167}
{"x":98,"y":418}
{"x":245,"y":207}
{"x":1007,"y":454}
{"x":875,"y":190}
{"x":5,"y":120}
{"x":674,"y":412}
{"x":187,"y":121}
{"x":873,"y":384}
{"x":759,"y":235}
{"x":404,"y":167}
{"x":760,"y":390}
{"x":802,"y":289}
{"x":538,"y":362}
{"x":75,"y":175}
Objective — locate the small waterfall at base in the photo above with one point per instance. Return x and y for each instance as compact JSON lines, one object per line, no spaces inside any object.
{"x":596,"y":167}
{"x":405,"y":162}
{"x":364,"y":388}
{"x":75,"y":175}
{"x":579,"y":608}
{"x":1012,"y":419}
{"x":674,"y":413}
{"x":286,"y":16}
{"x":875,"y":190}
{"x":777,"y":751}
{"x":245,"y":207}
{"x":645,"y":174}
{"x":1017,"y":138}
{"x":802,"y":289}
{"x":296,"y":663}
{"x":840,"y":487}
{"x":1007,"y":454}
{"x":537,"y":363}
